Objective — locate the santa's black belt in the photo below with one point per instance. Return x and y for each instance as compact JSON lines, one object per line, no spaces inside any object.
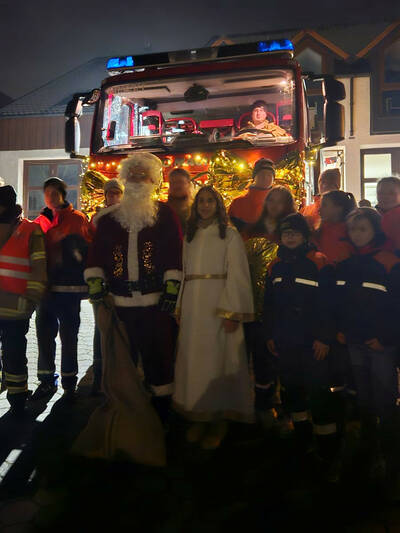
{"x":127,"y":287}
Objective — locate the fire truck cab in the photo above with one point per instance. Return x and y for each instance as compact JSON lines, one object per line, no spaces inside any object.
{"x":249,"y":99}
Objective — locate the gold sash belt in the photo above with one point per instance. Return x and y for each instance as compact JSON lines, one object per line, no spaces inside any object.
{"x":192,"y":277}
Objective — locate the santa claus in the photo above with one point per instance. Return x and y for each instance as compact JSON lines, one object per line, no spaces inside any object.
{"x":136,"y":257}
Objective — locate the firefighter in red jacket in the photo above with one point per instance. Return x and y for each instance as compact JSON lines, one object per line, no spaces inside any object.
{"x":67,"y":234}
{"x":136,"y":252}
{"x":23,"y":280}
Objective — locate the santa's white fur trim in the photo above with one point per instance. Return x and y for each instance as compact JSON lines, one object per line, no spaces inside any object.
{"x":102,"y":212}
{"x":93,"y":272}
{"x":137,"y":299}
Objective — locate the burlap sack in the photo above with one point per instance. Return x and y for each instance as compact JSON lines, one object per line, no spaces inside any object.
{"x":126,"y":425}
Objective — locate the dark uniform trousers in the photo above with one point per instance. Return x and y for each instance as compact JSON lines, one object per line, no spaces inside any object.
{"x":306,"y":386}
{"x":14,"y":361}
{"x":375,"y":376}
{"x":152,"y":335}
{"x":264,"y":366}
{"x":58,"y":312}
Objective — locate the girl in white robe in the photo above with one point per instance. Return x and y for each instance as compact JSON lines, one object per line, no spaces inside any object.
{"x":212,"y":381}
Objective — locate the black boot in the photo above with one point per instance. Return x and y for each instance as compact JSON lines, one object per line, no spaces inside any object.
{"x":17,"y":404}
{"x":162,"y":405}
{"x":45,"y":390}
{"x":303,"y":436}
{"x":328,"y":451}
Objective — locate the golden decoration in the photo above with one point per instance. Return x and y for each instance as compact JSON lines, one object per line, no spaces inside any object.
{"x":92,"y":191}
{"x":192,"y":277}
{"x":260,"y":253}
{"x":289,"y":171}
{"x":118,"y":258}
{"x":147,"y":256}
{"x":231,"y":175}
{"x":227,"y":172}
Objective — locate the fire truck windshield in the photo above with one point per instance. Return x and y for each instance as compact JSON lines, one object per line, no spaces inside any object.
{"x":253,"y":108}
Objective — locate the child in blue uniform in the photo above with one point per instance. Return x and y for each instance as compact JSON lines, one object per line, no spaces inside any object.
{"x":368,"y":310}
{"x":298,"y":330}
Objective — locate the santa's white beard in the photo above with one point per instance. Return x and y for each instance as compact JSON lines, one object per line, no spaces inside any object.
{"x":137,"y":208}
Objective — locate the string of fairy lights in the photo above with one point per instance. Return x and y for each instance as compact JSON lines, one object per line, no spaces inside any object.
{"x":226,"y":171}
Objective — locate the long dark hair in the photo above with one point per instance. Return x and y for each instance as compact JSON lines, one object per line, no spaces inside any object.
{"x":221,"y":215}
{"x":373,"y":217}
{"x":290,"y":207}
{"x":342,"y":199}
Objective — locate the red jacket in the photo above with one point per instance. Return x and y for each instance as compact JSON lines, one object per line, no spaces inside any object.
{"x":391,"y":227}
{"x":15,"y":259}
{"x":332,"y":240}
{"x":67,"y":235}
{"x":247,"y":208}
{"x":156,"y":253}
{"x":311,"y":212}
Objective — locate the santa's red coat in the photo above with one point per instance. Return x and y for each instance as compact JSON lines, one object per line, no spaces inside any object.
{"x":158,"y":252}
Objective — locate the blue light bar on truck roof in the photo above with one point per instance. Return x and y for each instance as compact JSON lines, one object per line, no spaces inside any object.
{"x":273,"y":46}
{"x":118,"y":64}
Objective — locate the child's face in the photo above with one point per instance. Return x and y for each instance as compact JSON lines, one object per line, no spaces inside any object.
{"x":388,"y":196}
{"x":275,"y":205}
{"x":361,"y":232}
{"x":292,"y":239}
{"x":206,"y":205}
{"x":330,"y":212}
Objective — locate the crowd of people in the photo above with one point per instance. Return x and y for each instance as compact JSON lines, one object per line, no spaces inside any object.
{"x":233,"y":315}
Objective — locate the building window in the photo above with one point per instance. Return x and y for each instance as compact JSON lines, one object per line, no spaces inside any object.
{"x":385,"y":87}
{"x":376,"y":164}
{"x":391,"y":80}
{"x":36,"y":172}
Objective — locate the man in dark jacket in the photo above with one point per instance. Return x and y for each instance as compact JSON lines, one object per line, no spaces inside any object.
{"x":67,"y":234}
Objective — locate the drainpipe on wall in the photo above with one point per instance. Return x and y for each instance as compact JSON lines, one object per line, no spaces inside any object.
{"x":351,"y":107}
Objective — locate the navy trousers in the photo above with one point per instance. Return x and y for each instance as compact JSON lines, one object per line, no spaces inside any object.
{"x":14,"y":361}
{"x":58,"y":313}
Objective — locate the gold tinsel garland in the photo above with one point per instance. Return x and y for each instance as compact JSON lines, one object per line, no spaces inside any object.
{"x":92,"y":191}
{"x":228,"y":173}
{"x":260,"y":253}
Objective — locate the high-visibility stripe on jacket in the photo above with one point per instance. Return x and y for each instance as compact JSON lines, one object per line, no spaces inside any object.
{"x":15,"y":265}
{"x":367,"y":296}
{"x":298,"y":288}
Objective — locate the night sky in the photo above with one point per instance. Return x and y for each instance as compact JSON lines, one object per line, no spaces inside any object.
{"x":41,"y":40}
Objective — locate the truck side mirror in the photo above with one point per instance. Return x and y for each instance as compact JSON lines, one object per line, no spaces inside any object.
{"x":72,"y":136}
{"x":72,"y":129}
{"x":333,"y":92}
{"x":72,"y":113}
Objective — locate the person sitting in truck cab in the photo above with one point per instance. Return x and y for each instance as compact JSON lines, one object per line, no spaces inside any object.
{"x":259,"y":121}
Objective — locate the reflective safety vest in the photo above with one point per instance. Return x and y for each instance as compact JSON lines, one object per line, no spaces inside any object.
{"x":15,"y":265}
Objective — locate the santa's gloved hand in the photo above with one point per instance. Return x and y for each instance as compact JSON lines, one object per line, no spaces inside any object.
{"x":169,"y":296}
{"x":97,"y":289}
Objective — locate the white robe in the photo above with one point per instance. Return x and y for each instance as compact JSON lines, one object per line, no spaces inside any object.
{"x":212,"y":378}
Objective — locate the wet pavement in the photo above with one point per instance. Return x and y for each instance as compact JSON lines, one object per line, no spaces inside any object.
{"x":254,"y":482}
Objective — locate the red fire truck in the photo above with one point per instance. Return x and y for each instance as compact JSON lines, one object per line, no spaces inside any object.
{"x":194,"y":109}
